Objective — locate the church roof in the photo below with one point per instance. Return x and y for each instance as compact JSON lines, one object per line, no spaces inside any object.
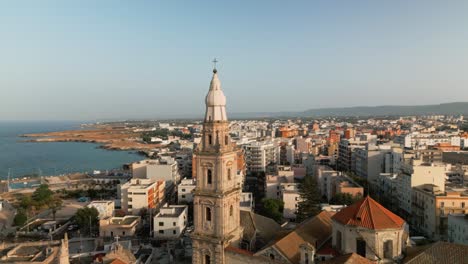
{"x":440,"y":253}
{"x":369,"y":214}
{"x":351,"y":258}
{"x":248,"y":223}
{"x":314,"y":231}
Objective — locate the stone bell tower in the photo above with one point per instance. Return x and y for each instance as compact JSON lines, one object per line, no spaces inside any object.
{"x":217,"y":195}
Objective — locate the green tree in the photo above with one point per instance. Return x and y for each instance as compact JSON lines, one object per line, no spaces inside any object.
{"x":345,"y":198}
{"x":54,"y":204}
{"x":20,"y":218}
{"x":42,"y":194}
{"x":26,"y":202}
{"x":86,"y":216}
{"x":273,"y":208}
{"x":309,"y":205}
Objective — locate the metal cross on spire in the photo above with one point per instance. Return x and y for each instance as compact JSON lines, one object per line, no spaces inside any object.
{"x":214,"y":64}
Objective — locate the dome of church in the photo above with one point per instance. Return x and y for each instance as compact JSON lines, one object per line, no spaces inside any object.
{"x":215,"y":101}
{"x":215,"y":96}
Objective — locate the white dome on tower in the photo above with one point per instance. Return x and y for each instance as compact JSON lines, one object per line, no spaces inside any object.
{"x":215,"y":96}
{"x":215,"y":101}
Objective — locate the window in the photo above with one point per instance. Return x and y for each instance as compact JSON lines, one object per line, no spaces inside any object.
{"x":463,"y":205}
{"x":229,"y":174}
{"x":361,"y":247}
{"x":209,"y":176}
{"x":306,"y":257}
{"x":207,"y":259}
{"x":231,"y":211}
{"x":226,"y":140}
{"x":210,"y":140}
{"x":183,"y":190}
{"x":161,"y":231}
{"x":123,"y":233}
{"x":441,"y":204}
{"x":174,"y":232}
{"x":388,"y":249}
{"x":272,"y":256}
{"x":338,"y":240}
{"x":183,"y":196}
{"x":208,"y":214}
{"x":161,"y":223}
{"x":130,"y":206}
{"x":174,"y":223}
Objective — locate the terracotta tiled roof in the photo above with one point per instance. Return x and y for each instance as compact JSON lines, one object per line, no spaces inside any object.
{"x":314,"y":231}
{"x":351,"y":258}
{"x":369,"y":214}
{"x":328,"y":250}
{"x":441,"y":253}
{"x":117,"y":261}
{"x":239,"y":250}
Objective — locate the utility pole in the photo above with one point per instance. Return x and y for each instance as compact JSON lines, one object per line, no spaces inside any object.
{"x":8,"y":180}
{"x":90,"y":226}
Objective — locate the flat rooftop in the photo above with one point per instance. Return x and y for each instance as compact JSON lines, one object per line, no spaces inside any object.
{"x":171,"y":211}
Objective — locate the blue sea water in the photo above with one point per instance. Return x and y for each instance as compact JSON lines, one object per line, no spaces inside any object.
{"x":53,"y":158}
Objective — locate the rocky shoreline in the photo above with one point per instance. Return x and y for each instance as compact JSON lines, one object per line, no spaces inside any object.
{"x":107,"y":138}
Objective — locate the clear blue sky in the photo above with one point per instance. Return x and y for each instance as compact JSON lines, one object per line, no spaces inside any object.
{"x":84,"y":60}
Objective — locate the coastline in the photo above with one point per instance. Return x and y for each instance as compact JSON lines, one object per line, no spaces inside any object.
{"x":107,"y":137}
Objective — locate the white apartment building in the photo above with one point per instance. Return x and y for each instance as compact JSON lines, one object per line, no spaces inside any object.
{"x":432,"y":206}
{"x":291,"y":199}
{"x":369,"y":161}
{"x":458,"y":228}
{"x":165,"y":169}
{"x":417,"y":140}
{"x":259,"y":154}
{"x":346,"y":148}
{"x":105,"y":208}
{"x":141,"y":193}
{"x":414,"y":174}
{"x":325,"y":177}
{"x":170,"y":222}
{"x":246,"y":201}
{"x":185,"y":190}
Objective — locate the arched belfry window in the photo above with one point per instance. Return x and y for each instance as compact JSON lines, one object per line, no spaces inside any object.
{"x":209,"y":176}
{"x":229,"y":173}
{"x":231,"y":211}
{"x":207,"y":259}
{"x":226,"y":140}
{"x":210,"y":140}
{"x":208,"y":214}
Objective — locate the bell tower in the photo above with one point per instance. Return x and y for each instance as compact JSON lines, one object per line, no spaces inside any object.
{"x":217,"y":194}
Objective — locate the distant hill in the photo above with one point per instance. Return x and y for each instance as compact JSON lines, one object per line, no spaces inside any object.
{"x":385,"y":110}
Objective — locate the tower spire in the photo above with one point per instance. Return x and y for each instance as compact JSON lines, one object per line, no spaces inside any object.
{"x":214,"y":65}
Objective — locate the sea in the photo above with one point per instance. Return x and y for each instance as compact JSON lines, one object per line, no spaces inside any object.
{"x":25,"y":159}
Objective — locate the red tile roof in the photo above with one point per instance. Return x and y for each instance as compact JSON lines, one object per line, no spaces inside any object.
{"x":369,"y":214}
{"x":239,"y":251}
{"x":351,"y":258}
{"x":327,"y":249}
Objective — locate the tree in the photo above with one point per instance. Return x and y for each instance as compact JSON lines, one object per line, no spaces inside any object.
{"x":143,"y":213}
{"x":42,"y":194}
{"x":344,"y":198}
{"x":309,"y":205}
{"x":86,"y":216}
{"x":273,"y":208}
{"x":54,"y":204}
{"x":20,"y":218}
{"x":26,"y":203}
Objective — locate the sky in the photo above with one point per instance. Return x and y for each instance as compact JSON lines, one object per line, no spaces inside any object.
{"x":97,"y":60}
